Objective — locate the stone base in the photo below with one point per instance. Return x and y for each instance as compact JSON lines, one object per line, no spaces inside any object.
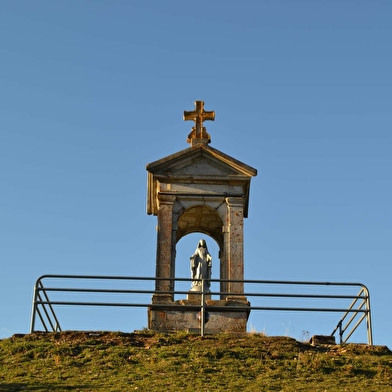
{"x":194,"y":295}
{"x":182,"y":316}
{"x":322,"y":339}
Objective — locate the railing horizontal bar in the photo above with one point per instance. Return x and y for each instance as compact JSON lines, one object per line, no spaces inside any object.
{"x":211,"y":308}
{"x":310,"y":309}
{"x":277,"y":295}
{"x":252,"y":281}
{"x":112,"y":291}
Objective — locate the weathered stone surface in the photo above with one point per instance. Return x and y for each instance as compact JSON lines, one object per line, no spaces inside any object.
{"x":194,"y":296}
{"x":221,"y":319}
{"x":322,"y":339}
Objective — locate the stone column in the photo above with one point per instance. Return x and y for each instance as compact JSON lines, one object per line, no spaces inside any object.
{"x":235,"y":246}
{"x":224,"y":262}
{"x":165,"y":248}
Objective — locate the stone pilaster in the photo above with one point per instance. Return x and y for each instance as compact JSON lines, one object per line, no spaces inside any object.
{"x":165,"y":248}
{"x":235,"y":246}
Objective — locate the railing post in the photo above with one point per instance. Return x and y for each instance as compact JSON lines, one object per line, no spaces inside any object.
{"x":368,"y":318}
{"x":340,"y":332}
{"x":34,"y":309}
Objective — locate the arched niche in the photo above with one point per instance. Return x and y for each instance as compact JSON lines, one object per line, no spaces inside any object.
{"x":185,"y":247}
{"x":203,"y":219}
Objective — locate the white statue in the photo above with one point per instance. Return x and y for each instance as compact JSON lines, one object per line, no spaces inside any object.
{"x":201,"y":264}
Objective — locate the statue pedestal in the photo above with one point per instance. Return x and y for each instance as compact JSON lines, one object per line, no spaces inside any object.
{"x":194,"y":295}
{"x":224,"y":316}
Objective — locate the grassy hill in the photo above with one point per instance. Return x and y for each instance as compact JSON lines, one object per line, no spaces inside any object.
{"x":146,"y":361}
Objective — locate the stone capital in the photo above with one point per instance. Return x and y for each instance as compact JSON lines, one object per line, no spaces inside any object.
{"x":166,"y":199}
{"x":235,"y":201}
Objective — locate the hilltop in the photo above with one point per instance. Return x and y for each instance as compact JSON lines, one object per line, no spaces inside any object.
{"x":147,"y":361}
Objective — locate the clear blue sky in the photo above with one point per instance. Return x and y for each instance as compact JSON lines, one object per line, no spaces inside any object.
{"x":92,"y":91}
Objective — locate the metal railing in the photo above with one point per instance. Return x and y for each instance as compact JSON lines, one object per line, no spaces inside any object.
{"x":353,"y":314}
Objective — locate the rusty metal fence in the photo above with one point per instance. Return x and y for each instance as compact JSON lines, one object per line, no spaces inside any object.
{"x":352,"y":307}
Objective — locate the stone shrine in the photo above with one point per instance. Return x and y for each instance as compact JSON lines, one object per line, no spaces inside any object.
{"x":199,"y":189}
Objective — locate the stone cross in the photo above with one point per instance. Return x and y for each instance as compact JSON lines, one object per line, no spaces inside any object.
{"x":198,"y":116}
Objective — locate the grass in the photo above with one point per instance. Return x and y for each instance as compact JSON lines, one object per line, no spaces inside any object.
{"x":147,"y":361}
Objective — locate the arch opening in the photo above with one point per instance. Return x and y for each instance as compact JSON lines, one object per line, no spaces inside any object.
{"x":195,"y":223}
{"x":185,"y":248}
{"x":203,"y":219}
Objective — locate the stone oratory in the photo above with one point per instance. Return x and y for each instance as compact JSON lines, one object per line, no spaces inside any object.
{"x":199,"y":189}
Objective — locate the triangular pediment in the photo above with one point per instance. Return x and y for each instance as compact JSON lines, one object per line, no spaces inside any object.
{"x":201,"y":162}
{"x":198,"y":170}
{"x":203,"y":165}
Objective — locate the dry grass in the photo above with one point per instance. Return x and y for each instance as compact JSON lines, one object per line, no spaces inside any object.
{"x":107,"y":361}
